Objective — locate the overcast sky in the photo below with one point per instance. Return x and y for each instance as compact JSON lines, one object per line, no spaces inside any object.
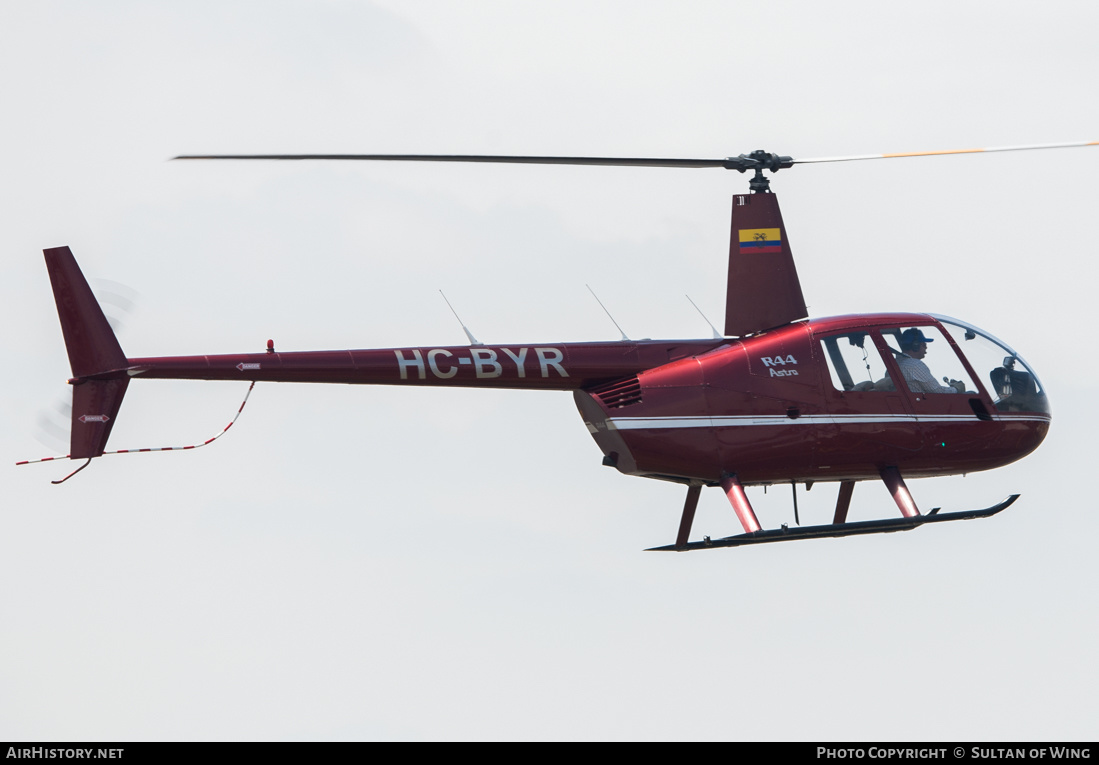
{"x":379,"y":563}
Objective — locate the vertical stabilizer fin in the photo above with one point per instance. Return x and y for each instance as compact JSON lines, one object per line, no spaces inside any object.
{"x":97,"y":361}
{"x":763,"y":290}
{"x":89,"y":339}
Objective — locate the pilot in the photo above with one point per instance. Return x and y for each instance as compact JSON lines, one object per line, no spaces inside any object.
{"x":916,"y":373}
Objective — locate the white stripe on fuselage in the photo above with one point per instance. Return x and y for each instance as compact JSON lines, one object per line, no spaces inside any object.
{"x":750,"y":420}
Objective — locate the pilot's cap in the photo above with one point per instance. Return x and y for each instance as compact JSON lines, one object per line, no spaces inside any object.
{"x":910,"y":338}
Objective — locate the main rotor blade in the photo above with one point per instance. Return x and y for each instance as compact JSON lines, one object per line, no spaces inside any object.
{"x":755,"y":161}
{"x":948,"y":151}
{"x":731,"y":163}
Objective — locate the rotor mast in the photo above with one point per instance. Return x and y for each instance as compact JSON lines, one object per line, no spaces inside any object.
{"x":760,"y":160}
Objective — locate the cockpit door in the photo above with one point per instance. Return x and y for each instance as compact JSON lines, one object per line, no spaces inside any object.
{"x":937,"y":382}
{"x":864,"y":398}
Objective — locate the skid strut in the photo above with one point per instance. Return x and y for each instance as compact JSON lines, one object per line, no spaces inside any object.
{"x":901,"y":495}
{"x":843,"y":502}
{"x":739,"y":500}
{"x":689,"y":507}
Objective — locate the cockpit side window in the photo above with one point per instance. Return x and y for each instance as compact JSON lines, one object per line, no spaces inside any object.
{"x":854,"y":363}
{"x":927,"y":361}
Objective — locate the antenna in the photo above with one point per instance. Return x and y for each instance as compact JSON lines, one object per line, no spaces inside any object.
{"x":712,"y":327}
{"x":472,"y":339}
{"x":615,"y":323}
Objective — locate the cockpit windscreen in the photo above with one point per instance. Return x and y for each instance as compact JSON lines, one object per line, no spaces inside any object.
{"x":1012,"y":384}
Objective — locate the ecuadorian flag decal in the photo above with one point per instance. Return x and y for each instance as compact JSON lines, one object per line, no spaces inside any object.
{"x":764,"y":241}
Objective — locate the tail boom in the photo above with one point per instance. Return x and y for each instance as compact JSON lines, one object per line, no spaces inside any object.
{"x":560,"y":366}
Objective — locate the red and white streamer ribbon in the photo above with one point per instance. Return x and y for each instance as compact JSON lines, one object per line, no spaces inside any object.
{"x":159,"y":448}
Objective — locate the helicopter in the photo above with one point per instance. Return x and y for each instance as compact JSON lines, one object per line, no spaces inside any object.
{"x":776,"y":398}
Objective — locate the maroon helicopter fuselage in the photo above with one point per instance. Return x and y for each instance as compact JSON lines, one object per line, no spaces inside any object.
{"x":779,"y":398}
{"x":763,"y":407}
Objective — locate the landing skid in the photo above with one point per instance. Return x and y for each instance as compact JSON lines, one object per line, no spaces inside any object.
{"x":884,"y":526}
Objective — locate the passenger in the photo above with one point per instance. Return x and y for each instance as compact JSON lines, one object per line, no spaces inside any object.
{"x":916,"y":373}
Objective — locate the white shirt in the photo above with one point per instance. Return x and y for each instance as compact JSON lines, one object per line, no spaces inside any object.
{"x":919,"y":377}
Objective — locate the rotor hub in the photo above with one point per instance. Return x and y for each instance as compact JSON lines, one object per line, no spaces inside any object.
{"x":759,"y":160}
